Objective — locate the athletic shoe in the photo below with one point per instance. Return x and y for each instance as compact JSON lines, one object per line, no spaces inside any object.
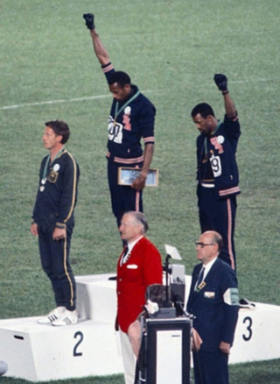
{"x":52,"y":316}
{"x":67,"y":318}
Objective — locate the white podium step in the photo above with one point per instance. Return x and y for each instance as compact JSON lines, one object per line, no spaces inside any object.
{"x":96,"y":297}
{"x":257,"y":335}
{"x":90,"y":348}
{"x":42,"y":352}
{"x":38,"y":352}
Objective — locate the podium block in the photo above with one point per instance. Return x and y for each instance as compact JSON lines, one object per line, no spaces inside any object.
{"x":257,"y":335}
{"x":42,"y":352}
{"x":39,"y":352}
{"x":96,"y":297}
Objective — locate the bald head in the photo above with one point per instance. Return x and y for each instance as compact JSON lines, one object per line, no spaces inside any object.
{"x":208,"y":246}
{"x":216,"y":238}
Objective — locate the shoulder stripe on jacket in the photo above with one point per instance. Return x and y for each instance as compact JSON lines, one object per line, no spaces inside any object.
{"x":74,"y":189}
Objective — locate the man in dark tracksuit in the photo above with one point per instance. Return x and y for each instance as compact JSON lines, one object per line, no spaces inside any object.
{"x":217,"y":172}
{"x":53,"y":220}
{"x":131,"y":119}
{"x":214,"y":302}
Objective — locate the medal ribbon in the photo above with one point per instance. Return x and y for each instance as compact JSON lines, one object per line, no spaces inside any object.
{"x":206,"y":137}
{"x":118,"y":111}
{"x":45,"y":171}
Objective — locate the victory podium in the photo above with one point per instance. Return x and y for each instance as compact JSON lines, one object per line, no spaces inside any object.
{"x":37,"y":352}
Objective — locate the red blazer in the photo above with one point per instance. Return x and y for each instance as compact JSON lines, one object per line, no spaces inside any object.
{"x":142,"y":269}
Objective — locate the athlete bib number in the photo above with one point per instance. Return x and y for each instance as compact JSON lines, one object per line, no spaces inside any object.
{"x":115,"y":132}
{"x":216,"y":165}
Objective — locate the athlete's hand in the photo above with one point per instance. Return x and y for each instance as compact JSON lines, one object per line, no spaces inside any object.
{"x":224,"y":347}
{"x":59,"y":233}
{"x":89,"y":20}
{"x":139,"y":182}
{"x":34,"y":229}
{"x":221,"y":81}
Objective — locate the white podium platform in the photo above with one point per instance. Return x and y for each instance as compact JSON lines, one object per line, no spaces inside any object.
{"x":38,"y":352}
{"x":42,"y":352}
{"x":96,"y":297}
{"x":90,"y":348}
{"x":257,"y":335}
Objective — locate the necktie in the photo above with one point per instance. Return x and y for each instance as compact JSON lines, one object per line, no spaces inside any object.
{"x":200,"y":278}
{"x":124,"y":256}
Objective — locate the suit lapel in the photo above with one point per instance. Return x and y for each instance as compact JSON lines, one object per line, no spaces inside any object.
{"x":209,"y":277}
{"x":212,"y":271}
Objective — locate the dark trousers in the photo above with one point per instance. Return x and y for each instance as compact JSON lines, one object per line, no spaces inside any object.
{"x":210,"y":367}
{"x":123,"y":198}
{"x":218,"y":215}
{"x":55,"y":262}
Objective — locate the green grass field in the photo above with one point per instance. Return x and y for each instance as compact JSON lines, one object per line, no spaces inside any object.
{"x":171,"y":49}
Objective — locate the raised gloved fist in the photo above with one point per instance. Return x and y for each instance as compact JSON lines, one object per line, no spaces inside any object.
{"x":89,"y":20}
{"x":221,"y":81}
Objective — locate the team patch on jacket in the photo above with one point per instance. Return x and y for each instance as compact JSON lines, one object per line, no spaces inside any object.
{"x":56,"y":167}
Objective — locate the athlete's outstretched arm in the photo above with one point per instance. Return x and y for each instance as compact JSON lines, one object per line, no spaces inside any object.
{"x":229,"y":106}
{"x":99,"y":49}
{"x":221,"y":82}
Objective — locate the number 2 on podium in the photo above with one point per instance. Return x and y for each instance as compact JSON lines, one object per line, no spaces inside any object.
{"x":80,"y":336}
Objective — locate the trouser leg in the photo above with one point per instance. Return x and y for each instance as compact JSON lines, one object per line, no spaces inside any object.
{"x":129,"y":359}
{"x":211,"y":367}
{"x":123,"y":198}
{"x":56,"y":264}
{"x":219,"y":215}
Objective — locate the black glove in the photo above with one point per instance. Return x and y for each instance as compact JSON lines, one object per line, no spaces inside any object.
{"x":89,"y":20}
{"x":221,"y":81}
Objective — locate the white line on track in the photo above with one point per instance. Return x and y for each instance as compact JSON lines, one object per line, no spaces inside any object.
{"x":76,"y":99}
{"x":85,"y":98}
{"x":254,"y":81}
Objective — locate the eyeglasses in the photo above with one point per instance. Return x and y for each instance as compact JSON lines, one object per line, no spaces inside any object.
{"x":202,"y":245}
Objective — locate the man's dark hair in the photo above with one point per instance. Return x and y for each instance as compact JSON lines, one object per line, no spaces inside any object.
{"x":203,"y":109}
{"x":60,"y":128}
{"x":119,"y":77}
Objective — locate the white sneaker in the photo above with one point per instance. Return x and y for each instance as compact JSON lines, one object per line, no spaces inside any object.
{"x":67,"y":318}
{"x":52,"y":316}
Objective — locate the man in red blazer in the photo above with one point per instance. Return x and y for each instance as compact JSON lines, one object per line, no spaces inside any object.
{"x":139,"y":266}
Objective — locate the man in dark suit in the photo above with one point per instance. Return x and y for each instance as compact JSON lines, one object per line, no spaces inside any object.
{"x":139,"y":266}
{"x":214,"y":302}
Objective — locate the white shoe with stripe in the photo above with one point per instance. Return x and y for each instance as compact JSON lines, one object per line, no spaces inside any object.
{"x":67,"y":318}
{"x":53,"y":315}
